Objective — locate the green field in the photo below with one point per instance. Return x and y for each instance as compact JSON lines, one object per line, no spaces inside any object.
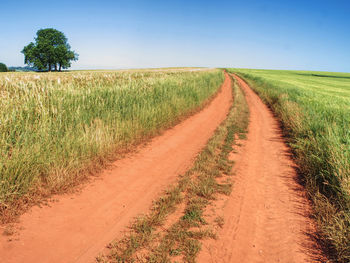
{"x":57,"y":127}
{"x":314,"y":108}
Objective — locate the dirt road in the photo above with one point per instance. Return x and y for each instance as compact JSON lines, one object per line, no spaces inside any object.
{"x":266,"y":216}
{"x":79,"y":226}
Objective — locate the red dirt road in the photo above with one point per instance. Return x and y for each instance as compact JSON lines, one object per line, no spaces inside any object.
{"x":266,"y":215}
{"x":79,"y":226}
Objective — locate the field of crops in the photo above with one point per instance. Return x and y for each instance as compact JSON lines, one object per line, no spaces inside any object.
{"x":57,"y":127}
{"x":314,"y":108}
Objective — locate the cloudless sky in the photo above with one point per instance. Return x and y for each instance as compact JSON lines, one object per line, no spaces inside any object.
{"x":107,"y":34}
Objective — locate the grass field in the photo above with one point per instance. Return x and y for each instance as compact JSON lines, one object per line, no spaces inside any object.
{"x":314,"y":108}
{"x":57,"y":127}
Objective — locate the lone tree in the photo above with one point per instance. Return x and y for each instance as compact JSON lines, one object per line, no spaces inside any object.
{"x":3,"y":67}
{"x":50,"y":51}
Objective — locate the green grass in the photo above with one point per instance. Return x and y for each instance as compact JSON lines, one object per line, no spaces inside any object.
{"x":314,"y":108}
{"x":56,"y":128}
{"x":196,"y":189}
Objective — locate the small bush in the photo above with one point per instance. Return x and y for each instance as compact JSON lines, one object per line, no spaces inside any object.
{"x":3,"y":67}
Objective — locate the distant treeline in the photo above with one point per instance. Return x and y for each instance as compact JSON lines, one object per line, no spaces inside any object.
{"x":4,"y":68}
{"x":23,"y":69}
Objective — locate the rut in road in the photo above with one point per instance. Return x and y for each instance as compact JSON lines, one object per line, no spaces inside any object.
{"x":79,"y":226}
{"x":266,"y":216}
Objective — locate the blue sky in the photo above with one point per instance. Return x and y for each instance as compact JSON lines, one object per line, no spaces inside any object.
{"x":311,"y":35}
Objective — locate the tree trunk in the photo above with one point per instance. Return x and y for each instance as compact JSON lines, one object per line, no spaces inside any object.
{"x":60,"y":69}
{"x":55,"y":67}
{"x":49,"y":67}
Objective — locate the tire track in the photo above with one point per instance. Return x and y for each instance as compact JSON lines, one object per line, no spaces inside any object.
{"x":267,"y":215}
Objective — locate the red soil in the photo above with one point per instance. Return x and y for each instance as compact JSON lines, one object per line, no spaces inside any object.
{"x":266,"y":216}
{"x":79,"y":226}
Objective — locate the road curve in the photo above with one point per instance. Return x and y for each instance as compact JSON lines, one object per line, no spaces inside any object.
{"x":266,"y":216}
{"x":78,"y":226}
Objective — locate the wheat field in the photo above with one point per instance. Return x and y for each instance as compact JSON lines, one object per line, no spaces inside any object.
{"x":57,"y":127}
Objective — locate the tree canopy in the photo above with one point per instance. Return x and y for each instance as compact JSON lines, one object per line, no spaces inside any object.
{"x":3,"y":67}
{"x":50,"y":51}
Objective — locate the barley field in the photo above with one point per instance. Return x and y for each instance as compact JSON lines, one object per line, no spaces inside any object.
{"x":57,"y":127}
{"x":314,"y":108}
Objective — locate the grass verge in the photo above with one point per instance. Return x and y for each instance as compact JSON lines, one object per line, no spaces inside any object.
{"x":314,"y":110}
{"x":147,"y":241}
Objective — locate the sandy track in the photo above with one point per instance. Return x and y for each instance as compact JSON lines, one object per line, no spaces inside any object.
{"x":77,"y":227}
{"x":266,"y":216}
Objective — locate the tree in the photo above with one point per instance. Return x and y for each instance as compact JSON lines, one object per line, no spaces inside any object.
{"x":65,"y":56}
{"x":50,"y":51}
{"x":3,"y":67}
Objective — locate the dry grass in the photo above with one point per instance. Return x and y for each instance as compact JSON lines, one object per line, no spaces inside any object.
{"x":56,"y":128}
